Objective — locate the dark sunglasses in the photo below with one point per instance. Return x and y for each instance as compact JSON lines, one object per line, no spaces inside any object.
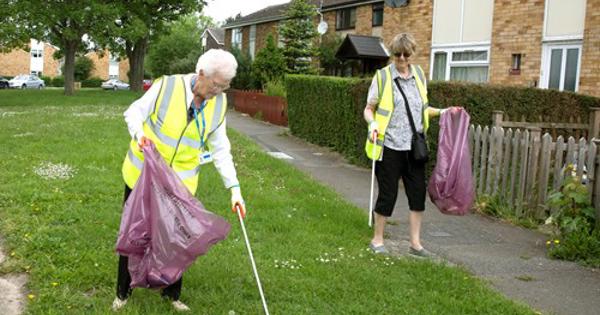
{"x":406,"y":55}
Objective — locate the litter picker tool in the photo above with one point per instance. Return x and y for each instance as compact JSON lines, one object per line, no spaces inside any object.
{"x":262,"y":295}
{"x":372,"y":179}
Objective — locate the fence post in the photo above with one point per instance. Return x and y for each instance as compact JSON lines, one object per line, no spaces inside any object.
{"x":497,"y":118}
{"x":596,"y":184}
{"x":594,"y":131}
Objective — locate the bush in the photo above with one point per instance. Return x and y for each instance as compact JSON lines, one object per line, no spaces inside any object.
{"x":275,"y":88}
{"x":58,"y":81}
{"x":269,"y":64}
{"x":92,"y":82}
{"x":47,"y":80}
{"x":83,"y":68}
{"x":578,"y":238}
{"x":244,"y":80}
{"x":328,"y":110}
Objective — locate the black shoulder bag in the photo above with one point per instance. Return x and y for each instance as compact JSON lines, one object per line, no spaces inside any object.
{"x":418,"y":142}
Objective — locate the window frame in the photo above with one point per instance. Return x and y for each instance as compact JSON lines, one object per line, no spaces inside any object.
{"x":376,"y":7}
{"x":450,"y":50}
{"x":340,"y":12}
{"x":547,"y":57}
{"x":252,"y":41}
{"x":236,"y":33}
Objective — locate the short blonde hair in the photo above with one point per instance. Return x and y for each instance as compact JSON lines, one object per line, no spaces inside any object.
{"x":403,"y":43}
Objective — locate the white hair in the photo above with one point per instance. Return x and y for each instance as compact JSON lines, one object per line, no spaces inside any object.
{"x":217,"y":60}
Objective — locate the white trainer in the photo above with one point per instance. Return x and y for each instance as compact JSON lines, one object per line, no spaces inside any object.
{"x":118,"y":304}
{"x":180,"y":307}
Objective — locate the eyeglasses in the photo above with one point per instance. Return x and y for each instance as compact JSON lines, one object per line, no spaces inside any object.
{"x":218,"y":87}
{"x":405,"y":54}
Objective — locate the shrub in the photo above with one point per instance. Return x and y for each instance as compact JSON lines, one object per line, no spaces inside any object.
{"x":47,"y":80}
{"x":83,"y":68}
{"x":275,"y":88}
{"x":578,"y":238}
{"x":244,"y":80}
{"x":58,"y":81}
{"x":92,"y":82}
{"x":269,"y":64}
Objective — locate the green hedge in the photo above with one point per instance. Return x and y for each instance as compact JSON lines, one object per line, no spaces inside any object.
{"x":328,"y":110}
{"x":92,"y":82}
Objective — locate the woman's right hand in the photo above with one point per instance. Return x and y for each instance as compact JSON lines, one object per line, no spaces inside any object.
{"x":373,"y":129}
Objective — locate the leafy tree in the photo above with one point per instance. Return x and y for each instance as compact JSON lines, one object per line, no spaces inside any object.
{"x":269,"y":64}
{"x":233,"y":18}
{"x":138,"y":23}
{"x":178,"y":50}
{"x":62,"y":23}
{"x":298,"y":33}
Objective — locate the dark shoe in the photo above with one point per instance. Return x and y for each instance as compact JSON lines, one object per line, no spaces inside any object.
{"x":379,"y":249}
{"x":422,"y":253}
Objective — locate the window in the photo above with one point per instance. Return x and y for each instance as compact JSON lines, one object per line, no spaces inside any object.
{"x":236,"y":37}
{"x":462,"y":21}
{"x":561,"y":67}
{"x":515,"y":67}
{"x":377,"y":14}
{"x":252,"y":41}
{"x":470,"y":64}
{"x":345,"y":18}
{"x":36,"y":53}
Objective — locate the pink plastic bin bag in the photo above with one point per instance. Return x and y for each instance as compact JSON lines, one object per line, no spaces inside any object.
{"x":451,"y":184}
{"x":163,"y":227}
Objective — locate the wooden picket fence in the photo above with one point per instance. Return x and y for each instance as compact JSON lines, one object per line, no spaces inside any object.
{"x":522,"y":166}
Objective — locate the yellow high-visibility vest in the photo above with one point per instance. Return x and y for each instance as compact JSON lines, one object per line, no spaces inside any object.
{"x":386,"y":106}
{"x":177,"y":141}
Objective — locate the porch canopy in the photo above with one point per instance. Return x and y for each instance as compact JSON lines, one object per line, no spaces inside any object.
{"x":368,"y":50}
{"x":362,"y":47}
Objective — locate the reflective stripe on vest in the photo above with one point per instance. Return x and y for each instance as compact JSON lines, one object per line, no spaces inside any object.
{"x":177,"y":141}
{"x":386,"y":106}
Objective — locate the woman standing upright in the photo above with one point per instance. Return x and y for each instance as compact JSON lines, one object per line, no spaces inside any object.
{"x":387,"y":117}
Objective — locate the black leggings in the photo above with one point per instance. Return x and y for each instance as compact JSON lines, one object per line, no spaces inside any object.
{"x":393,"y":166}
{"x":124,"y":278}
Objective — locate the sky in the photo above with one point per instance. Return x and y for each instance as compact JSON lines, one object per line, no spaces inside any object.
{"x":219,"y":10}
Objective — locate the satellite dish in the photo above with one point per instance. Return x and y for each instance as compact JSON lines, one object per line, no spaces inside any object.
{"x":322,"y":27}
{"x":396,"y":3}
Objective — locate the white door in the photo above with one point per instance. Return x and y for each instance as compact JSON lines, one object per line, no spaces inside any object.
{"x":560,"y":67}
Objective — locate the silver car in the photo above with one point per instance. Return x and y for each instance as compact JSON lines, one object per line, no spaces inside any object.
{"x":26,"y":81}
{"x":114,"y":84}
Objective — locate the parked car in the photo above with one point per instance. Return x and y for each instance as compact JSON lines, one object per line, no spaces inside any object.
{"x":3,"y":83}
{"x":147,"y":84}
{"x":114,"y":84}
{"x":26,"y":81}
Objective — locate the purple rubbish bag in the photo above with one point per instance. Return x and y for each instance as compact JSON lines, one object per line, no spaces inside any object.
{"x":163,"y":227}
{"x":451,"y":184}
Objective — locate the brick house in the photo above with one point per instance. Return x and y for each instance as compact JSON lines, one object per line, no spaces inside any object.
{"x":539,"y":43}
{"x":37,"y":61}
{"x":40,"y":61}
{"x":213,"y":38}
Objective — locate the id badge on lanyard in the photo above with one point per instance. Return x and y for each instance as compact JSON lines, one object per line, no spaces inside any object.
{"x":205,"y":156}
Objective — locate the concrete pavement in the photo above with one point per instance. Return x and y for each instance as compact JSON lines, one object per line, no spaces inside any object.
{"x":511,"y":258}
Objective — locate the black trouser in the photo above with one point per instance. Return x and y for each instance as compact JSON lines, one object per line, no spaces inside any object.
{"x":393,"y":166}
{"x":124,"y":278}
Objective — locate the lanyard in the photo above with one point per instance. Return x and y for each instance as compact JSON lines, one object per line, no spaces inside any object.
{"x":203,"y":122}
{"x":193,"y":82}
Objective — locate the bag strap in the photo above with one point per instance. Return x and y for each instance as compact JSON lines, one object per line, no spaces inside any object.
{"x":408,"y":112}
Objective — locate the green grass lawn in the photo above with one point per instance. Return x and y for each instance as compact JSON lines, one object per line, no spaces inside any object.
{"x":62,"y":231}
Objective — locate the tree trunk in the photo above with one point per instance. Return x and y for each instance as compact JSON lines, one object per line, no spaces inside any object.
{"x":70,"y":47}
{"x":136,"y":54}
